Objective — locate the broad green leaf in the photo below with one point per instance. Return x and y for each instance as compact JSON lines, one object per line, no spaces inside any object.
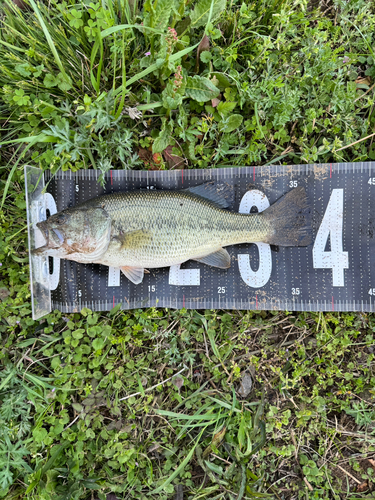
{"x":23,"y":69}
{"x":162,"y":13}
{"x":77,"y":407}
{"x":90,"y":434}
{"x":39,"y":434}
{"x":98,"y":344}
{"x":78,"y":334}
{"x":64,"y":82}
{"x":225,"y":108}
{"x":49,"y":81}
{"x":162,"y":141}
{"x":200,"y":14}
{"x":172,"y":98}
{"x":222,"y":80}
{"x":205,"y":56}
{"x":215,"y":468}
{"x":200,"y":89}
{"x":20,"y":98}
{"x":91,"y":485}
{"x":57,"y":429}
{"x":232,"y":123}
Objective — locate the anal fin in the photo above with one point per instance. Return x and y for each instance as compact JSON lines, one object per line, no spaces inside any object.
{"x":220,"y":259}
{"x":134,"y":274}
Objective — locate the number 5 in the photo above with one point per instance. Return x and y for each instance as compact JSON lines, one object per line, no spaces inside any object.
{"x":331,"y":227}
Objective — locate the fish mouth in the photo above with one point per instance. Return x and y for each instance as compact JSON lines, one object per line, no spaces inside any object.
{"x":44,"y":228}
{"x":54,"y":238}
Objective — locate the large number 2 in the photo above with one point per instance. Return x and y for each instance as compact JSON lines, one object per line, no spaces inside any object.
{"x":255,"y":279}
{"x":331,"y":227}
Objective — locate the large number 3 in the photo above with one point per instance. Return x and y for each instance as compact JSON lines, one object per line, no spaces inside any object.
{"x":260,"y":277}
{"x":49,"y":203}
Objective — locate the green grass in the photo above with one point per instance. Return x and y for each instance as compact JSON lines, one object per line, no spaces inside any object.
{"x":146,"y":404}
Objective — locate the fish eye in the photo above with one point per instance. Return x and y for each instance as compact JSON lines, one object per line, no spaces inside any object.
{"x":61,"y":219}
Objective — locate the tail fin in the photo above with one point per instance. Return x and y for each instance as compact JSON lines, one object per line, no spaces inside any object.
{"x":290,"y":217}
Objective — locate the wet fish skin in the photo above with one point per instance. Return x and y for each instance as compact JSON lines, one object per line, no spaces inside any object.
{"x":152,"y":229}
{"x":160,"y":228}
{"x":80,"y":233}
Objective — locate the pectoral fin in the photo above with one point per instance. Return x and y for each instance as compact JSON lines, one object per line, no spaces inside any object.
{"x":134,"y":274}
{"x":221,"y":259}
{"x":134,"y":240}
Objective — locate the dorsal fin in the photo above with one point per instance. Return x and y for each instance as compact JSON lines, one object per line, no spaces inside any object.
{"x":220,"y":193}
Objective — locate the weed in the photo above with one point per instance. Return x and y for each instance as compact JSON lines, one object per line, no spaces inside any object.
{"x":146,"y":403}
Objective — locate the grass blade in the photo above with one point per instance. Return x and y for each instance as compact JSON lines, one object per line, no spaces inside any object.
{"x":179,"y":468}
{"x":120,"y":27}
{"x":13,"y":47}
{"x":9,"y":179}
{"x":123,"y":94}
{"x":49,"y":38}
{"x":155,"y":66}
{"x":6,"y":380}
{"x":182,"y":416}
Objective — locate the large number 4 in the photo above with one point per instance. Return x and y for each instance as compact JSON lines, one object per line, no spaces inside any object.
{"x":331,"y":227}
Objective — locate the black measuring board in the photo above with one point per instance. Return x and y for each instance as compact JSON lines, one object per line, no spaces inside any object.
{"x":335,"y":273}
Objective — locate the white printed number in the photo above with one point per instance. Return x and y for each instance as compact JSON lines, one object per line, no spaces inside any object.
{"x":77,"y":188}
{"x":331,"y":227}
{"x":151,"y":288}
{"x":293,"y":184}
{"x":371,"y":181}
{"x":255,"y":279}
{"x":184,"y":277}
{"x":221,"y":289}
{"x":295,"y":291}
{"x":53,"y":277}
{"x":371,"y":291}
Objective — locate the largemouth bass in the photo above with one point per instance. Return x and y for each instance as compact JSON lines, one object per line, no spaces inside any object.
{"x":137,"y":230}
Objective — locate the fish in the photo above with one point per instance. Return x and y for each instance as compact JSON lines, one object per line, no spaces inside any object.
{"x":146,"y":229}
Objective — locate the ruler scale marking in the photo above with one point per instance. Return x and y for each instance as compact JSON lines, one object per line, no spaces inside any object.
{"x":292,"y":266}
